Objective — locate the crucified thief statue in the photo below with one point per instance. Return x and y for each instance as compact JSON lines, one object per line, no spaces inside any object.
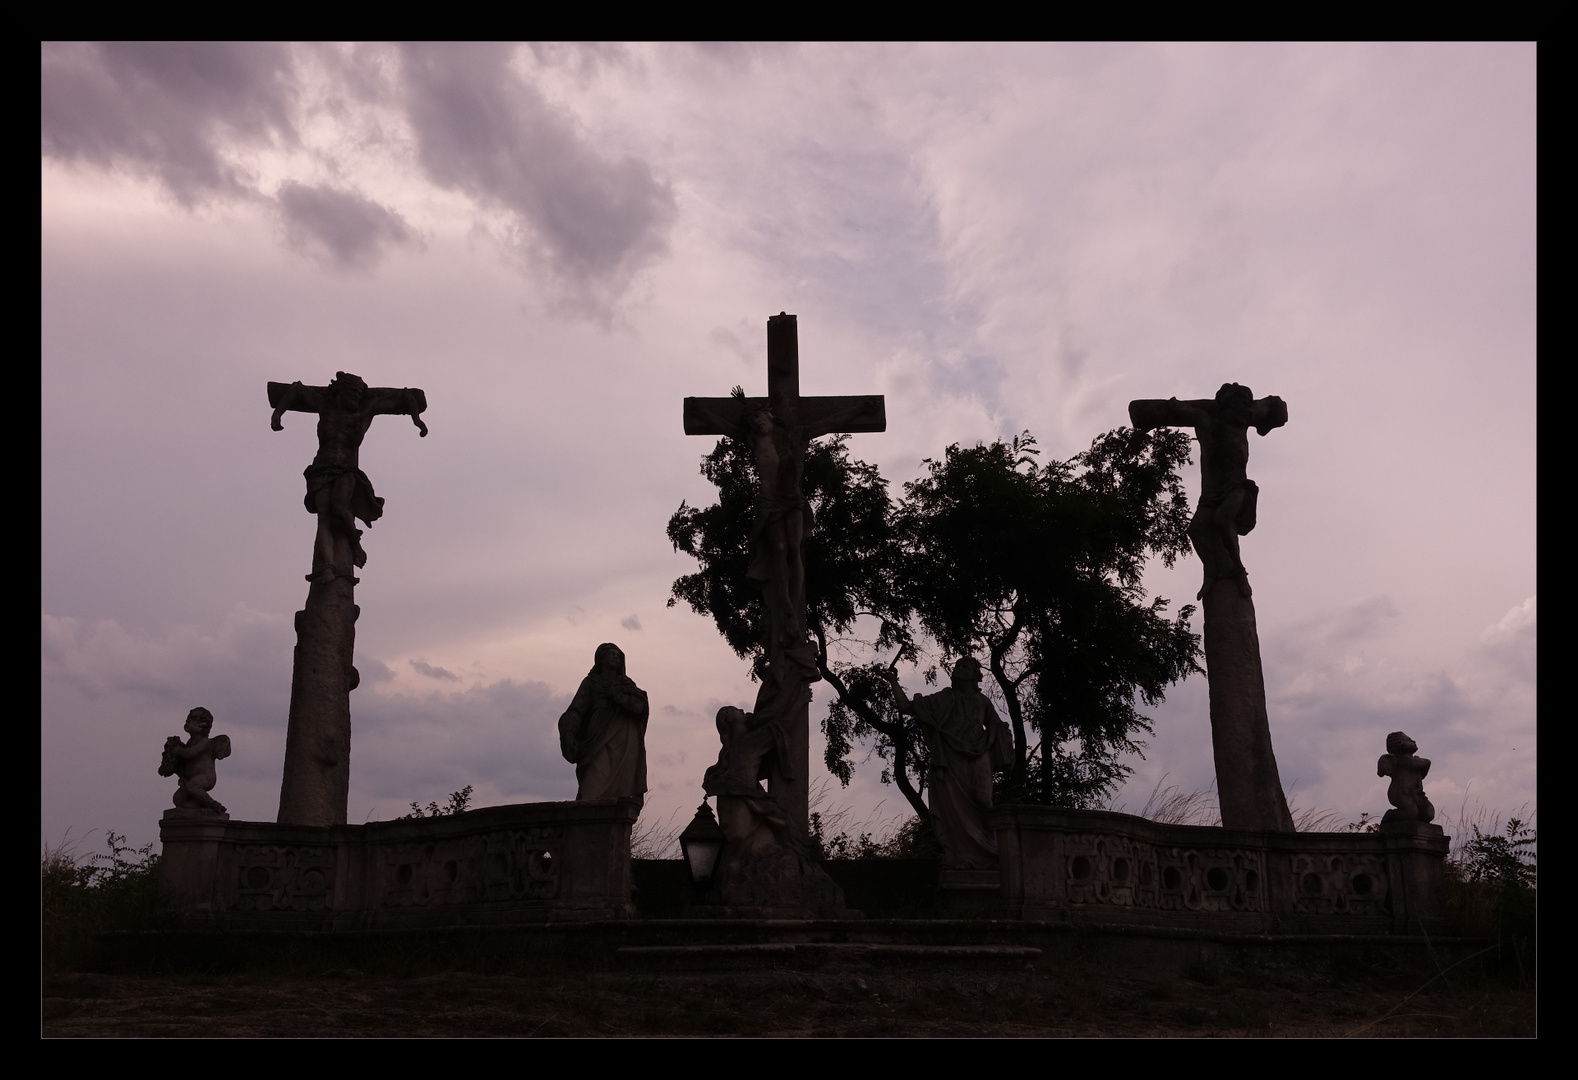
{"x":316,"y":784}
{"x":1246,"y":769}
{"x":778,"y":429}
{"x":338,"y":491}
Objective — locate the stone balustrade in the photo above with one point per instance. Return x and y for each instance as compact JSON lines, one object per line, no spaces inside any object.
{"x":529,"y":862}
{"x":1095,"y":866}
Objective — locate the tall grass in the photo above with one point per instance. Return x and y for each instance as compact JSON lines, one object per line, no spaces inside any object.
{"x":653,"y":839}
{"x":82,"y":896}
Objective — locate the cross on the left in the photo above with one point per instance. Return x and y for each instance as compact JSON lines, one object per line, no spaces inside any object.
{"x":315,"y":789}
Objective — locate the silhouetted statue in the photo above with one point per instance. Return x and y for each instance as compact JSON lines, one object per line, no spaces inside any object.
{"x":777,"y":429}
{"x":1246,"y":768}
{"x":1228,"y":497}
{"x":338,"y":491}
{"x":317,"y":780}
{"x":604,"y":731}
{"x":192,"y":762}
{"x":967,"y":742}
{"x":1406,"y":792}
{"x":768,"y":859}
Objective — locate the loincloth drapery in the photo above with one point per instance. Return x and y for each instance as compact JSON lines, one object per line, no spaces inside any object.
{"x":769,"y":512}
{"x":1244,"y":523}
{"x":320,"y":483}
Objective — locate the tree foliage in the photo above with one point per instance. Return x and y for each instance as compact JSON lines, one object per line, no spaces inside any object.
{"x":1040,"y":567}
{"x":1037,"y":566}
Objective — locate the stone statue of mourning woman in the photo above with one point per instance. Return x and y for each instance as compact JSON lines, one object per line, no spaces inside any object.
{"x":603,"y":732}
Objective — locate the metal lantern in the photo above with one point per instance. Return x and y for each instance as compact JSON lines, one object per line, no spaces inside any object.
{"x":702,"y":843}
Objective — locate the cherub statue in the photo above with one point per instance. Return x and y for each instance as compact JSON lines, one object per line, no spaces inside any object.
{"x":1406,"y":792}
{"x":193,"y":762}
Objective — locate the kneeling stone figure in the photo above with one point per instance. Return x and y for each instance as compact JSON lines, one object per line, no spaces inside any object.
{"x":192,"y":762}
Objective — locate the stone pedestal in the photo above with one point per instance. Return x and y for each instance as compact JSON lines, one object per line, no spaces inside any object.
{"x":761,"y":876}
{"x":1247,"y":782}
{"x":967,"y":894}
{"x":1416,"y":863}
{"x":189,"y":860}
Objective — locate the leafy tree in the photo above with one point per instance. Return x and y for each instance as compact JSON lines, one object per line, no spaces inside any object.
{"x":1492,"y":889}
{"x":1040,"y":567}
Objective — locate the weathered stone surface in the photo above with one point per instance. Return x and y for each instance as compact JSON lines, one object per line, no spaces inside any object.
{"x":316,"y":781}
{"x":603,"y":732}
{"x":967,"y":742}
{"x":768,"y":864}
{"x":1406,"y":792}
{"x":1248,"y":785}
{"x":529,"y":862}
{"x":192,"y":763}
{"x":1102,"y":867}
{"x":1247,"y":782}
{"x":778,"y":428}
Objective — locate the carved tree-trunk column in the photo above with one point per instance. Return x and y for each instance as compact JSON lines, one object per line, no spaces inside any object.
{"x":316,"y":786}
{"x":1248,"y":786}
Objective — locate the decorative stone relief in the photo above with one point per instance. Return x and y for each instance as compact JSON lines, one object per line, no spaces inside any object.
{"x":1334,"y":884}
{"x":1206,"y":879}
{"x":1111,"y":870}
{"x":518,"y":865}
{"x":272,"y":878}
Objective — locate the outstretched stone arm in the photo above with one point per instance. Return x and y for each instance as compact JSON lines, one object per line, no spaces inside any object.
{"x":1267,"y":413}
{"x":900,"y":702}
{"x":407,"y":401}
{"x":826,"y":415}
{"x":1148,"y":413}
{"x":719,"y":416}
{"x":294,"y":397}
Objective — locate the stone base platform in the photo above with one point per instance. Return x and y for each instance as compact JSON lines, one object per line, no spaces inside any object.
{"x":756,"y":945}
{"x":525,"y":863}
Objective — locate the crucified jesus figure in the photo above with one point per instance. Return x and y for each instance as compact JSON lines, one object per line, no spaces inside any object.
{"x":1228,"y":496}
{"x":338,"y":492}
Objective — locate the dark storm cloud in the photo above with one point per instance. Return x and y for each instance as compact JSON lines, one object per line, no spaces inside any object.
{"x":422,"y":667}
{"x":483,"y":131}
{"x":165,"y":109}
{"x":347,"y":229}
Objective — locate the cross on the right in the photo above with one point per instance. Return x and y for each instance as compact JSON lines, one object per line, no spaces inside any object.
{"x":1249,"y":788}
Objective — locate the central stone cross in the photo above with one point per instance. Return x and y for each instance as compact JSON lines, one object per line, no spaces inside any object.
{"x":778,"y":429}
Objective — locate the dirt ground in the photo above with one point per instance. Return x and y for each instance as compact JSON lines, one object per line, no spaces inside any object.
{"x":1051,"y":1001}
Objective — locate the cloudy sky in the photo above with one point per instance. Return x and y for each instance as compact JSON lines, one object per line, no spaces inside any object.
{"x":558,"y":243}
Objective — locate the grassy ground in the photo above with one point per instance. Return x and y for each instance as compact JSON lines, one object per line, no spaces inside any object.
{"x":1056,"y":999}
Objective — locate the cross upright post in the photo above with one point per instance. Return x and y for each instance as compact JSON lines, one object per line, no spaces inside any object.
{"x":778,"y":429}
